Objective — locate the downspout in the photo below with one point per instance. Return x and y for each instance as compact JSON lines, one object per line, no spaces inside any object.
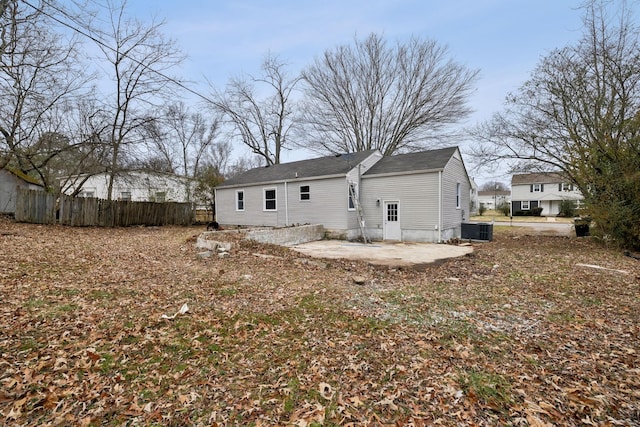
{"x":286,"y":204}
{"x":213,"y":207}
{"x":440,"y":207}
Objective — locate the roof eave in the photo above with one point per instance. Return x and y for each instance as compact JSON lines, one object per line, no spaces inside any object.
{"x":281,"y":181}
{"x":412,"y":172}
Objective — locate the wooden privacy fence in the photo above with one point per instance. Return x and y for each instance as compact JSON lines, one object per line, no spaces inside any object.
{"x":42,"y":208}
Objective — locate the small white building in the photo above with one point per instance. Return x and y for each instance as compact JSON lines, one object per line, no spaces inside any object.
{"x":10,"y":181}
{"x":136,"y":186}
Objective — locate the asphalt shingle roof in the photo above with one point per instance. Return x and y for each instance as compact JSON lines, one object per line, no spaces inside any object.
{"x":343,"y":163}
{"x":537,"y":178}
{"x":322,"y":166}
{"x":423,"y":160}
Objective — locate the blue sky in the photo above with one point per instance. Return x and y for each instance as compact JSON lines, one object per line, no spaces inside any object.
{"x":504,"y":39}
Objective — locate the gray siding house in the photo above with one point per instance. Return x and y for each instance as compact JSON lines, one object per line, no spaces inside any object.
{"x":10,"y":181}
{"x":420,"y":197}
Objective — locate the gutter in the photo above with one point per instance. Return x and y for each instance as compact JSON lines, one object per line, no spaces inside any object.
{"x":286,"y":204}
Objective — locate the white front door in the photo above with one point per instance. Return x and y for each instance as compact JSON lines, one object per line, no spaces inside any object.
{"x":391,"y":221}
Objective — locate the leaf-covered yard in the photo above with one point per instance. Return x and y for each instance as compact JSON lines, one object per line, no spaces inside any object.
{"x":517,"y":333}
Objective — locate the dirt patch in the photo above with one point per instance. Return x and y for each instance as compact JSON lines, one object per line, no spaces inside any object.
{"x":515,"y":333}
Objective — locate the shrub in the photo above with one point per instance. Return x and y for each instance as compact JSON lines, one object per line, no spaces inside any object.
{"x":567,"y":208}
{"x":481,"y":210}
{"x":536,"y":211}
{"x":505,"y":208}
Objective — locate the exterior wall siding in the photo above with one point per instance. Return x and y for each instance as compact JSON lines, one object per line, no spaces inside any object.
{"x":142,"y":187}
{"x":418,"y":198}
{"x":327,"y":205}
{"x":452,"y":216}
{"x":9,"y":184}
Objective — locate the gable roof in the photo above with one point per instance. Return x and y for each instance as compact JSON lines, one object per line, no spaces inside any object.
{"x":322,"y":166}
{"x":537,"y":178}
{"x":494,"y":193}
{"x":23,"y":176}
{"x":411,"y":162}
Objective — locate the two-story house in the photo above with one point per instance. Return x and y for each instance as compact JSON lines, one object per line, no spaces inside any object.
{"x":544,"y":190}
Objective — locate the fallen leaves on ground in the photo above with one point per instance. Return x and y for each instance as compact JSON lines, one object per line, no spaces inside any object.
{"x":517,"y":333}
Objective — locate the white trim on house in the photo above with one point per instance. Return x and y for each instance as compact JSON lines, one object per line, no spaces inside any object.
{"x":238,"y":200}
{"x":305,"y":196}
{"x":274,"y":200}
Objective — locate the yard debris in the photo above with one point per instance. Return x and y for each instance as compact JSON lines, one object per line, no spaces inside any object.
{"x":538,"y":341}
{"x":359,"y":280}
{"x":597,"y":267}
{"x":632,"y":255}
{"x":326,"y":391}
{"x":183,"y":310}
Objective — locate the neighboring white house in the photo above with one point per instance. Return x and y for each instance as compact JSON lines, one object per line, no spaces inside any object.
{"x":545,"y":190}
{"x":473,"y":195}
{"x":421,"y":197}
{"x":492,"y":198}
{"x":10,"y":180}
{"x":134,"y":186}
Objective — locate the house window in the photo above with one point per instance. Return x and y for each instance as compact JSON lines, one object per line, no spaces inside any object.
{"x":270,"y":199}
{"x":87,"y":194}
{"x":537,"y":188}
{"x":352,"y":193}
{"x":161,"y":196}
{"x":125,"y":196}
{"x":566,"y":187}
{"x":240,"y":200}
{"x":458,"y":195}
{"x":525,"y":205}
{"x":305,"y":192}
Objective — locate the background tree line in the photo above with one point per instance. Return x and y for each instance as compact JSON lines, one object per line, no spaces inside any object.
{"x":88,"y":89}
{"x":64,"y":117}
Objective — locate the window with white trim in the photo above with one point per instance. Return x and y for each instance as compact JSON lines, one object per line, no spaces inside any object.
{"x":524,"y":205}
{"x":458,"y":196}
{"x":305,"y":192}
{"x":270,"y":199}
{"x":537,"y":188}
{"x":351,"y":203}
{"x":240,"y":200}
{"x":125,"y":196}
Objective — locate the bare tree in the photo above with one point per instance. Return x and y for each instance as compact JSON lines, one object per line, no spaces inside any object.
{"x":138,"y":56}
{"x":39,"y":76}
{"x":373,"y":96}
{"x":181,"y":138}
{"x":580,"y":114}
{"x":261,"y":109}
{"x":494,"y":186}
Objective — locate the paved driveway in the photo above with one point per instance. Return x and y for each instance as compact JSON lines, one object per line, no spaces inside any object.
{"x":545,"y":228}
